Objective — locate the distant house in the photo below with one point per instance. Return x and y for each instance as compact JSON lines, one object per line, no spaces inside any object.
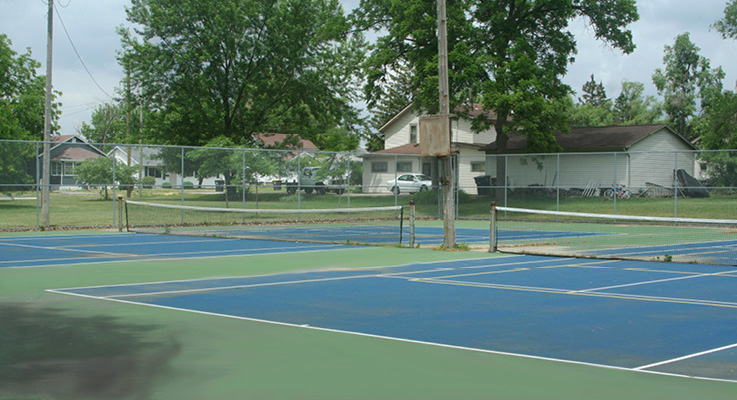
{"x":284,"y":141}
{"x":401,"y":152}
{"x":67,"y":152}
{"x":626,"y":155}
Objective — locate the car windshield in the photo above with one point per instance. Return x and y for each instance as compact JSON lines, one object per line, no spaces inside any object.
{"x":424,"y":178}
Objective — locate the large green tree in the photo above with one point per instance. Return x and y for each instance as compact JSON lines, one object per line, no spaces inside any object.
{"x":687,"y":78}
{"x":508,"y":55}
{"x":21,"y":113}
{"x":231,"y":68}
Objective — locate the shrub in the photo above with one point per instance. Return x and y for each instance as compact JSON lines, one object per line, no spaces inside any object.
{"x":188,"y":185}
{"x":148,"y":182}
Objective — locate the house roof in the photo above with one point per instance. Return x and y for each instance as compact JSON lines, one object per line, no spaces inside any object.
{"x":74,"y":148}
{"x":602,"y":138}
{"x":76,"y":154}
{"x":275,"y":140}
{"x":473,"y":110}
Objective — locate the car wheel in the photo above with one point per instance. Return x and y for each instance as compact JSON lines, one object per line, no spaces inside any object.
{"x":423,"y":188}
{"x":395,"y":190}
{"x":308,"y":190}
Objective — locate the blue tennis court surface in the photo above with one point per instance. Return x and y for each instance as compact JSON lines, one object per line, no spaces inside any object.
{"x":654,"y":317}
{"x":33,"y":251}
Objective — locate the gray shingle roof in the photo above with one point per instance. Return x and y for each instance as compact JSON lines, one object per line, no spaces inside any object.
{"x":602,"y":138}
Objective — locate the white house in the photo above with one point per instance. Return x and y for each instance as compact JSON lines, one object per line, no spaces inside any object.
{"x":401,"y":152}
{"x":632,"y":156}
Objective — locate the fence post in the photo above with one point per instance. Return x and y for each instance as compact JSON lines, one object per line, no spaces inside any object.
{"x":412,"y":224}
{"x":492,"y":227}
{"x":120,"y":213}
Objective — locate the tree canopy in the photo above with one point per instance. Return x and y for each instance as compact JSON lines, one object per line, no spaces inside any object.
{"x":727,"y":26}
{"x":508,"y":55}
{"x":231,"y":68}
{"x":22,"y":102}
{"x":687,"y":77}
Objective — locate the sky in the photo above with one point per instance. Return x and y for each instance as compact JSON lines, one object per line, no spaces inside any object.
{"x":91,"y":25}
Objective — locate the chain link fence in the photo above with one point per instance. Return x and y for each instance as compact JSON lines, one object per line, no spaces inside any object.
{"x":86,"y":179}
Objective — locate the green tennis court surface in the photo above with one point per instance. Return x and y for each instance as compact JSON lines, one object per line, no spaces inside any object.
{"x":60,"y":346}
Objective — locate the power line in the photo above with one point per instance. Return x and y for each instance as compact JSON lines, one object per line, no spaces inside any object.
{"x":77,"y":53}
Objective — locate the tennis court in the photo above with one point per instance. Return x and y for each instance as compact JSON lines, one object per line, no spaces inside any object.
{"x":277,"y":319}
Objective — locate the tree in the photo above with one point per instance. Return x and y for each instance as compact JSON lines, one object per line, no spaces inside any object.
{"x":103,"y":172}
{"x":593,"y":93}
{"x":687,"y":77}
{"x":107,"y":125}
{"x":727,"y":26}
{"x":21,"y":113}
{"x":718,"y":131}
{"x":508,"y":55}
{"x":631,"y":107}
{"x":231,"y":68}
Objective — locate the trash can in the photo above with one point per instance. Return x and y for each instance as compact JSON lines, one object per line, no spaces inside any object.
{"x":483,"y":184}
{"x":219,"y":185}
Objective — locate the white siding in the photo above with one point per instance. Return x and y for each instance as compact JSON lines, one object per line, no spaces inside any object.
{"x":397,"y":134}
{"x":375,"y":182}
{"x":657,"y":166}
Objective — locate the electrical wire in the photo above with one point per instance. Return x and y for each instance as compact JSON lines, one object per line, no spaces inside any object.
{"x":77,"y":52}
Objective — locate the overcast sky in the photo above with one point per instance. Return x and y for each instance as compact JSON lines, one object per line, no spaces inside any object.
{"x":91,"y":25}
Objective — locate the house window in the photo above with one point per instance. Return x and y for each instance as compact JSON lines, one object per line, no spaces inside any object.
{"x":56,"y":168}
{"x":379,"y":166}
{"x":413,"y":133}
{"x":69,"y":168}
{"x":153,"y":171}
{"x":404,"y":166}
{"x":478,"y":166}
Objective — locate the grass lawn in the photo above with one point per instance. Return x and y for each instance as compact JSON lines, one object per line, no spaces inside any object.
{"x":88,"y":209}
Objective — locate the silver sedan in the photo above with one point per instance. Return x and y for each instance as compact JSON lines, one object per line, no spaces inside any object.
{"x":409,"y":183}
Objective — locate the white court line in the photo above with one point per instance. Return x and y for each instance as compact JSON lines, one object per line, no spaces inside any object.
{"x":686,"y":357}
{"x":447,"y":346}
{"x":56,"y":248}
{"x":157,"y":257}
{"x":656,"y":281}
{"x":294,"y":282}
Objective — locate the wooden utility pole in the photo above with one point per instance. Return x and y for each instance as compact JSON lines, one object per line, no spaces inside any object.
{"x":447,"y":175}
{"x":46,"y":176}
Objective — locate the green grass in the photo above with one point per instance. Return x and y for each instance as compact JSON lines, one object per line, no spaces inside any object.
{"x":88,"y":209}
{"x":54,"y":346}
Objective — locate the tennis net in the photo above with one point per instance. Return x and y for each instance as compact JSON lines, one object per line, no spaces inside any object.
{"x":370,"y":225}
{"x":686,"y":240}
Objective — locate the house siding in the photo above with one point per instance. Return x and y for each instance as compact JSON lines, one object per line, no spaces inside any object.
{"x":657,"y":167}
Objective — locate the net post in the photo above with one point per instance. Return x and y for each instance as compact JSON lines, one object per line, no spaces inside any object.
{"x":120,"y":213}
{"x":127,"y":224}
{"x":412,"y":224}
{"x":492,"y":228}
{"x":401,"y":224}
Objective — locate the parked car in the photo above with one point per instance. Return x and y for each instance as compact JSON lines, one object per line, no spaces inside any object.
{"x":409,"y":183}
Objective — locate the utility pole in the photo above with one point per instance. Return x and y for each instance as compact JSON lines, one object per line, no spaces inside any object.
{"x":46,"y":178}
{"x":447,"y":174}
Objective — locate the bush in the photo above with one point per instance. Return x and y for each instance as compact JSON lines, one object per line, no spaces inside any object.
{"x":166,"y":185}
{"x":188,"y":185}
{"x":148,"y":182}
{"x":431,"y":197}
{"x":426,"y":197}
